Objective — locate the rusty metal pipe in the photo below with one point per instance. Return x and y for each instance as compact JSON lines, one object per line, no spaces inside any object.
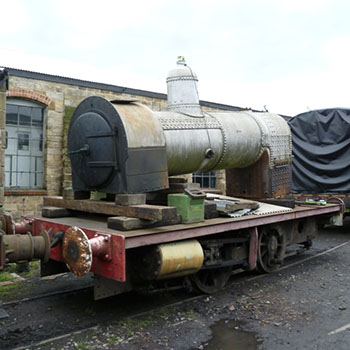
{"x":100,"y":246}
{"x":24,"y":247}
{"x":24,"y":226}
{"x":78,"y":250}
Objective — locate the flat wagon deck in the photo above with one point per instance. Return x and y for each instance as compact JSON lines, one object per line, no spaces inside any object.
{"x":247,"y":241}
{"x":143,"y":237}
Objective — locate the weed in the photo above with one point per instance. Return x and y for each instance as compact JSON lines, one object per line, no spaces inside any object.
{"x":114,"y":339}
{"x":190,"y":314}
{"x":6,"y":276}
{"x":11,"y":267}
{"x":34,"y":269}
{"x":81,"y":346}
{"x":6,"y":291}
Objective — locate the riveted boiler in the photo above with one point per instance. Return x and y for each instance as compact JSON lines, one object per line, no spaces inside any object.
{"x":124,"y":147}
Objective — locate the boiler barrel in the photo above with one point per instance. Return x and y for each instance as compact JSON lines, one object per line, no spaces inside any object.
{"x":124,"y":147}
{"x":215,"y":141}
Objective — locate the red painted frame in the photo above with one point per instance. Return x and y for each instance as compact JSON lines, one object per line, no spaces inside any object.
{"x":114,"y":268}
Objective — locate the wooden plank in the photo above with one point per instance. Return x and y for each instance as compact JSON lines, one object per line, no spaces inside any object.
{"x":178,"y":180}
{"x":123,"y":223}
{"x":130,"y":199}
{"x":210,"y":211}
{"x":145,"y":211}
{"x":54,"y":212}
{"x":284,"y":202}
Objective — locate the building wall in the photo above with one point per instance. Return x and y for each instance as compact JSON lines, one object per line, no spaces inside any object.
{"x":60,"y":100}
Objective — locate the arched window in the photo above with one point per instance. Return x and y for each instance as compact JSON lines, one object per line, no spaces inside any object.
{"x":24,"y":144}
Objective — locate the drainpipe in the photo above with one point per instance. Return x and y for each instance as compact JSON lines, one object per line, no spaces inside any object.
{"x":3,"y":88}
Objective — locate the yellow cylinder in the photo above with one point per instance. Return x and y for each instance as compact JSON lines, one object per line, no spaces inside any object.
{"x":179,"y":258}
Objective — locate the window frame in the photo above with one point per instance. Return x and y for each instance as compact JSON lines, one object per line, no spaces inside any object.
{"x":210,"y":175}
{"x":22,"y":102}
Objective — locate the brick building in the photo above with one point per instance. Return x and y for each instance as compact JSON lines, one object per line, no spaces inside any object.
{"x":38,"y":111}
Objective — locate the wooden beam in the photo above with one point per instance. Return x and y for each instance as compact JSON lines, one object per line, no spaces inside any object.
{"x":145,"y":211}
{"x":54,"y":212}
{"x":123,"y":223}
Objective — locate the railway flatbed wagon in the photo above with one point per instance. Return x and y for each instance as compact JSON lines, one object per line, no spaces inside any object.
{"x":206,"y":252}
{"x":151,"y":226}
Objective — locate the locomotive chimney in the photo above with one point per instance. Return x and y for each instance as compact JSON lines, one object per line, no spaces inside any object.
{"x":182,"y":90}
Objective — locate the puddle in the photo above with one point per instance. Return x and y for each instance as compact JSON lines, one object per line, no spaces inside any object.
{"x":226,"y":336}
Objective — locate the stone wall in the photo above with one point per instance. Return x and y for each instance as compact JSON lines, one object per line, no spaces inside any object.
{"x":60,"y":100}
{"x":23,"y":203}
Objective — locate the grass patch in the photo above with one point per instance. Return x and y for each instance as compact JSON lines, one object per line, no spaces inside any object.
{"x":7,"y":291}
{"x":132,"y":325}
{"x":34,"y":269}
{"x":6,"y":276}
{"x":10,"y":268}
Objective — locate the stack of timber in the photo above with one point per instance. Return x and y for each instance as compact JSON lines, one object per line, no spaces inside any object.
{"x":135,"y":211}
{"x":120,"y":212}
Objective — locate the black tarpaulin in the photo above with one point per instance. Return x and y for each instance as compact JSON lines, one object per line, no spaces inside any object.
{"x":321,"y":151}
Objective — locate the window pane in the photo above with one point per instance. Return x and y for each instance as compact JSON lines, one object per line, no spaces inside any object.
{"x":23,"y":179}
{"x":206,"y":180}
{"x":11,"y":139}
{"x":23,"y":164}
{"x":8,"y":171}
{"x":24,"y":115}
{"x":37,"y":117}
{"x":11,"y":114}
{"x":23,"y":142}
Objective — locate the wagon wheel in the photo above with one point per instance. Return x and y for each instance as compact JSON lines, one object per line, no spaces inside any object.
{"x":271,"y":250}
{"x":211,"y":280}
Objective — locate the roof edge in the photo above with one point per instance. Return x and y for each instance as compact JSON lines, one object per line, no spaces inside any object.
{"x":108,"y":87}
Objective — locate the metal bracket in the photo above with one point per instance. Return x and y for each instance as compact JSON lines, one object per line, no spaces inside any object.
{"x":337,"y":219}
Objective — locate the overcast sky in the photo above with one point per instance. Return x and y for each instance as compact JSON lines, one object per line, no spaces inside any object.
{"x":289,"y":56}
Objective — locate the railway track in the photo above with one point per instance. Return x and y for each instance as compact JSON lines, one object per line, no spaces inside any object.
{"x":44,"y":295}
{"x":71,"y":312}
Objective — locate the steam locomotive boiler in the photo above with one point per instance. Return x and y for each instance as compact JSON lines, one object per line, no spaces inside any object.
{"x":124,"y":147}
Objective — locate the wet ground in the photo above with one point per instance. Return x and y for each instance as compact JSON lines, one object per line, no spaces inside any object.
{"x":226,"y":335}
{"x":303,"y":306}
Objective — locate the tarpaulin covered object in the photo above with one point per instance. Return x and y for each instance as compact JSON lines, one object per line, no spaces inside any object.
{"x":321,"y":151}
